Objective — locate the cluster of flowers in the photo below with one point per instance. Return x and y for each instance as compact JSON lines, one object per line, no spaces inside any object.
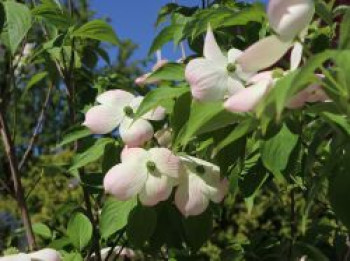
{"x":236,"y":79}
{"x":152,"y":174}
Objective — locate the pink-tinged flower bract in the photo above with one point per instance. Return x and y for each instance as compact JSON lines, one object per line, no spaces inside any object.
{"x":149,"y":174}
{"x":199,"y":184}
{"x":117,"y":108}
{"x":289,"y":18}
{"x":215,"y":76}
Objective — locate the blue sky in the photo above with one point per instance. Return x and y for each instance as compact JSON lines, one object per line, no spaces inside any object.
{"x":134,"y":19}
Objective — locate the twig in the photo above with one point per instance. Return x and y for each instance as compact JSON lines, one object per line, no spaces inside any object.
{"x":110,"y":252}
{"x":37,"y":128}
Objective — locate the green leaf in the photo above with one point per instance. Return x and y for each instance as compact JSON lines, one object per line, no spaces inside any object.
{"x":18,"y":21}
{"x":111,"y":156}
{"x":73,"y":257}
{"x":75,"y":134}
{"x":166,"y":35}
{"x":206,"y":117}
{"x":141,"y":225}
{"x":180,"y":113}
{"x":276,"y":151}
{"x":198,"y":229}
{"x":53,"y":14}
{"x":92,"y":154}
{"x":339,"y":193}
{"x":158,"y":97}
{"x":79,"y":231}
{"x":36,"y":78}
{"x":115,"y":215}
{"x":344,"y":41}
{"x":339,"y":121}
{"x":97,"y":30}
{"x":242,"y":129}
{"x":324,"y":12}
{"x":168,"y":72}
{"x":222,"y":17}
{"x":42,"y":230}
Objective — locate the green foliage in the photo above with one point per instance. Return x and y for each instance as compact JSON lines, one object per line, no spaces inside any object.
{"x":168,"y":72}
{"x":344,"y":41}
{"x":114,"y":216}
{"x":159,"y":97}
{"x":275,"y":152}
{"x":139,"y":231}
{"x":91,"y":154}
{"x":18,"y":23}
{"x":206,"y":117}
{"x":42,"y":230}
{"x":79,"y":230}
{"x":97,"y":30}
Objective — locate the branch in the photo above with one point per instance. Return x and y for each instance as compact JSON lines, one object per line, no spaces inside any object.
{"x":37,"y":129}
{"x":12,"y":159}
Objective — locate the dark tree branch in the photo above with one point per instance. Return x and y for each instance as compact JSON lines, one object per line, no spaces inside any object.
{"x":12,"y":159}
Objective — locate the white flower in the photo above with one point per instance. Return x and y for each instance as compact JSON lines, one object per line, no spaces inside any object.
{"x":117,"y":108}
{"x":199,"y":183}
{"x":149,"y":174}
{"x":46,"y":254}
{"x":288,"y":18}
{"x":215,"y":76}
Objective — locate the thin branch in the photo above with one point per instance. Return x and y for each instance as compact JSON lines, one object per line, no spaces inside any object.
{"x":11,"y":157}
{"x":37,"y":128}
{"x":110,"y":252}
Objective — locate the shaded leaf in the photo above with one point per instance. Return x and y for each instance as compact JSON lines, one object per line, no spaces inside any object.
{"x":115,"y":215}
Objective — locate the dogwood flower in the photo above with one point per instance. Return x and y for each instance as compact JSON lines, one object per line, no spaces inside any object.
{"x":46,"y":254}
{"x":118,"y":251}
{"x":117,"y":108}
{"x":260,"y":84}
{"x":149,"y":174}
{"x":199,"y":183}
{"x":215,"y":76}
{"x":246,"y":100}
{"x":288,"y":19}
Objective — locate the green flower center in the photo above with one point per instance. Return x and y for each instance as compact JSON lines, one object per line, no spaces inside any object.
{"x":277,"y":73}
{"x":151,"y":166}
{"x":231,"y":67}
{"x":200,"y":169}
{"x":129,"y":111}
